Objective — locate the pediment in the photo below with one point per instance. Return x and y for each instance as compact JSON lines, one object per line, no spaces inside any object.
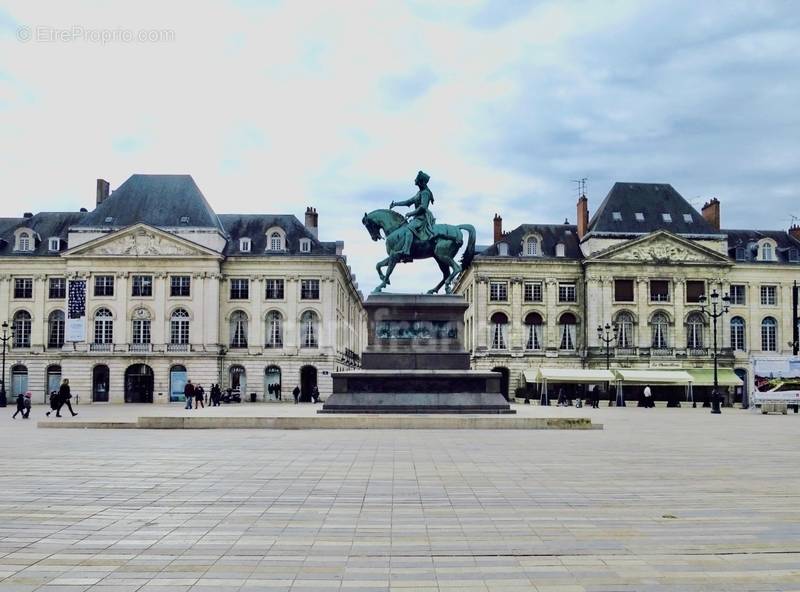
{"x":141,"y":240}
{"x":661,"y":247}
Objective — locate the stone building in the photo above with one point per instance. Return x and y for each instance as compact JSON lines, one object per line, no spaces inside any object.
{"x":174,"y":292}
{"x":641,"y":263}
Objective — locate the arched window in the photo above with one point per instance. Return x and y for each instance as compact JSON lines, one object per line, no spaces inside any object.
{"x":737,"y":334}
{"x":141,"y":327}
{"x":769,"y":334}
{"x":567,"y":329}
{"x":625,"y":331}
{"x":24,"y":242}
{"x":766,"y":252}
{"x":275,"y":241}
{"x":103,"y":326}
{"x":660,"y":328}
{"x":309,"y":328}
{"x":560,"y":250}
{"x":238,"y":329}
{"x":274,"y":329}
{"x":179,"y":327}
{"x":498,"y":326}
{"x":531,"y":246}
{"x":22,"y":329}
{"x":55,"y":329}
{"x":533,"y":331}
{"x":694,"y":331}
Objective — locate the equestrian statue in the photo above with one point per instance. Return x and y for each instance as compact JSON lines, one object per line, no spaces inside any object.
{"x":417,"y":236}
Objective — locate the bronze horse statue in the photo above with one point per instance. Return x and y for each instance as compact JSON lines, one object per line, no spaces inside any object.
{"x":443,"y":246}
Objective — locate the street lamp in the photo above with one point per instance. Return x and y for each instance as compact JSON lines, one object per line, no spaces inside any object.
{"x":7,"y":336}
{"x":717,"y":310}
{"x":604,"y":334}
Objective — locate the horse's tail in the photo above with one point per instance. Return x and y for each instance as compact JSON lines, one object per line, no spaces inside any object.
{"x":469,"y":254}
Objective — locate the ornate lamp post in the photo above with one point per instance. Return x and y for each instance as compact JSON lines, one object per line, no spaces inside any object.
{"x":7,"y":336}
{"x":717,"y":310}
{"x":604,"y":334}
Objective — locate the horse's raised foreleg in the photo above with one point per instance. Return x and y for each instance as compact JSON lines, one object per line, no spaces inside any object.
{"x":390,"y":261}
{"x":381,"y":265}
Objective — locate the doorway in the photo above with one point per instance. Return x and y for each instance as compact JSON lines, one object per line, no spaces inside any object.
{"x":100,"y":384}
{"x":177,"y":382}
{"x":308,"y":380}
{"x":238,"y":378}
{"x":19,"y":380}
{"x":272,"y":383}
{"x":53,"y":381}
{"x":503,"y":380}
{"x":139,"y":384}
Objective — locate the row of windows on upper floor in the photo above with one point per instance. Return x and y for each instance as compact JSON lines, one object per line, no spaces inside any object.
{"x":179,"y":328}
{"x":179,"y":286}
{"x":276,"y":243}
{"x":624,"y":292}
{"x":624,"y":335}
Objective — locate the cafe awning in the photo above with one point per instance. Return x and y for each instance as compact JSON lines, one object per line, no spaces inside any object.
{"x":571,"y":375}
{"x":654,"y":376}
{"x":705,"y":377}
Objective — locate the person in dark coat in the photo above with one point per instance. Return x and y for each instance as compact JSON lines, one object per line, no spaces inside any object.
{"x":20,"y":406}
{"x":188,"y":394}
{"x":55,"y":405}
{"x":198,"y":396}
{"x":278,"y":391}
{"x":315,"y":394}
{"x":296,"y":393}
{"x":596,"y":397}
{"x":562,"y":398}
{"x":64,"y":396}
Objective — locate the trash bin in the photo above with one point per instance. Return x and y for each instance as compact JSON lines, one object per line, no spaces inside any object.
{"x":252,"y":397}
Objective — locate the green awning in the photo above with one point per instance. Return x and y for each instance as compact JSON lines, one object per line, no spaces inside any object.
{"x":705,"y":377}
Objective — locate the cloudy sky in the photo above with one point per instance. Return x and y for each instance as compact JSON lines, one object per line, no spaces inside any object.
{"x":273,"y":106}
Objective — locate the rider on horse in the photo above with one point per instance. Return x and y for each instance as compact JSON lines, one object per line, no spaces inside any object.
{"x":421,"y":221}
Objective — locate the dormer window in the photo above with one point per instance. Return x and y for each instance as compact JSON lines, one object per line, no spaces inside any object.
{"x":688,"y":218}
{"x":793,"y":255}
{"x":184,"y":219}
{"x":767,"y":252}
{"x":276,"y":239}
{"x":616,"y":216}
{"x":502,"y":249}
{"x":560,"y":250}
{"x":25,"y":241}
{"x":305,"y":245}
{"x":639,"y":216}
{"x":666,"y":217}
{"x":109,"y":219}
{"x":741,"y":254}
{"x":54,"y":244}
{"x":244,"y":245}
{"x":531,"y":246}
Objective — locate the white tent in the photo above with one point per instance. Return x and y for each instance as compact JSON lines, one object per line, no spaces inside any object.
{"x":654,"y":376}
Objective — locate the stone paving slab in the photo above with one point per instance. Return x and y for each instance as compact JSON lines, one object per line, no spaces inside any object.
{"x":660,"y":500}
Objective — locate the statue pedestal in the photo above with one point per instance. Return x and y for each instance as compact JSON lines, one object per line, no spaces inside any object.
{"x":415,"y":362}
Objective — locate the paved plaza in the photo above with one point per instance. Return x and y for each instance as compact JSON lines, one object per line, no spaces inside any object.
{"x":663,"y":499}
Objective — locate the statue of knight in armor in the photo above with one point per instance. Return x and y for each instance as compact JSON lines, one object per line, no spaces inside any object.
{"x":420,"y":219}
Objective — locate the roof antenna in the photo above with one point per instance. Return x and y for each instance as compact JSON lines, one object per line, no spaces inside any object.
{"x":580,"y":185}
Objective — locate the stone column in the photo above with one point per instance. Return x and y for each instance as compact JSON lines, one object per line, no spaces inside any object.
{"x":481,"y":308}
{"x":679,"y":311}
{"x":122,"y":323}
{"x":158,"y":333}
{"x":257,"y":324}
{"x":328,"y":293}
{"x":291,"y":332}
{"x":516,"y":337}
{"x":211,"y":309}
{"x":550,"y":329}
{"x":199,"y":318}
{"x":39,"y":324}
{"x":642,"y":310}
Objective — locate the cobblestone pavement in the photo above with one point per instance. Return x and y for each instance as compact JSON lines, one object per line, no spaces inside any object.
{"x":661,"y":499}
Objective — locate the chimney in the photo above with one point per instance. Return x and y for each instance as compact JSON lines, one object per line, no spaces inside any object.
{"x":583,"y":216}
{"x":710,"y":212}
{"x":794,"y":231}
{"x":498,"y":228}
{"x":102,"y":191}
{"x":312,"y":221}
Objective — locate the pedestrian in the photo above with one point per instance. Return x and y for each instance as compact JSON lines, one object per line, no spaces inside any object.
{"x":562,"y":398}
{"x":596,"y":397}
{"x":64,"y":396}
{"x":215,"y":395}
{"x":20,"y":406}
{"x":55,"y":405}
{"x":296,"y":393}
{"x":188,"y":394}
{"x":648,"y":397}
{"x":278,"y":391}
{"x":198,"y":396}
{"x":315,"y":394}
{"x":27,"y":406}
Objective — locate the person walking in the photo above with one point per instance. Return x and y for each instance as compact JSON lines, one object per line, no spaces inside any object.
{"x":562,"y":398}
{"x":215,"y":395}
{"x":315,"y":394}
{"x":198,"y":396}
{"x":648,"y":397}
{"x":278,"y":391}
{"x":26,"y":404}
{"x":188,"y":394}
{"x":296,"y":393}
{"x":64,"y":396}
{"x":596,"y":397}
{"x":20,"y":406}
{"x":55,"y":405}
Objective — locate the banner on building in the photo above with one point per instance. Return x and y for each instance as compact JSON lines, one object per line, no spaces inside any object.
{"x":76,"y":311}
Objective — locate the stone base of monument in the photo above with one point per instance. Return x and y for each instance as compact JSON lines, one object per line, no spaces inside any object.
{"x":415,"y":362}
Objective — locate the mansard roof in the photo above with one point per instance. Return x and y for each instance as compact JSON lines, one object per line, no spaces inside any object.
{"x":255,"y":227}
{"x":617,"y":214}
{"x":550,"y":235}
{"x":748,"y":241}
{"x":45,"y":225}
{"x":162,"y":201}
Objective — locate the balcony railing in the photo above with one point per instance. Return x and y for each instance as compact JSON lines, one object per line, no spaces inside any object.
{"x":140,"y":348}
{"x":178,"y":347}
{"x":662,"y":352}
{"x":625,"y":351}
{"x":697,"y":352}
{"x":101,"y":347}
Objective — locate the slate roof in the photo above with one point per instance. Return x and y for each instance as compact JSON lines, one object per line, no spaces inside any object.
{"x":255,"y":226}
{"x":652,"y":200}
{"x":551,"y":235}
{"x":157,"y":200}
{"x":748,"y":241}
{"x":45,"y":224}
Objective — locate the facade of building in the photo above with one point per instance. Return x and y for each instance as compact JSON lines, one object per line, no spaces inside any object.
{"x":175,"y":292}
{"x":642,"y":263}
